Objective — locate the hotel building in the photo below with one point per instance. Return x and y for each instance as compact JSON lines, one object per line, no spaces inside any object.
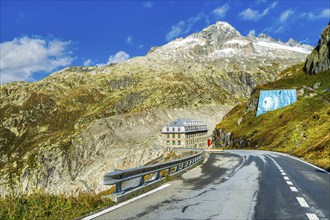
{"x":185,"y":133}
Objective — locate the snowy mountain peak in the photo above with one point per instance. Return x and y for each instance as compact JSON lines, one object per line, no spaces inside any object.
{"x":265,"y":37}
{"x":223,"y":47}
{"x":219,"y":32}
{"x":221,"y":25}
{"x":291,"y":42}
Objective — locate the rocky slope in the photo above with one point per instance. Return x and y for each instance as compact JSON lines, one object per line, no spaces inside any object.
{"x":319,"y":59}
{"x":301,"y":129}
{"x":62,"y":133}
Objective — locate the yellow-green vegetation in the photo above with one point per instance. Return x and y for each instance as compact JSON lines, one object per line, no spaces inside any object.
{"x":45,"y":206}
{"x":301,"y":129}
{"x":177,"y":155}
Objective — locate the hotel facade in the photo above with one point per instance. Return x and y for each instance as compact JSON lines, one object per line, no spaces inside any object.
{"x":185,"y":133}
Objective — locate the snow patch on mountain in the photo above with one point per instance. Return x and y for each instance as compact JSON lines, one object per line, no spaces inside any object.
{"x":240,"y":42}
{"x":263,"y":45}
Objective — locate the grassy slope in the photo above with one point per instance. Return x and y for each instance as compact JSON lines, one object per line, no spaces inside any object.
{"x":45,"y":206}
{"x":302,"y":129}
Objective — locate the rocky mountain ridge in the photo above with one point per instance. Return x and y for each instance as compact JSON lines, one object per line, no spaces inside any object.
{"x":62,"y":133}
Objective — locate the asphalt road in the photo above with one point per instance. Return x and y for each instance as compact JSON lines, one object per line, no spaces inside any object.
{"x":238,"y":185}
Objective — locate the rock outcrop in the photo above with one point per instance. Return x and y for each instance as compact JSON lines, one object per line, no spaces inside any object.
{"x":319,"y":59}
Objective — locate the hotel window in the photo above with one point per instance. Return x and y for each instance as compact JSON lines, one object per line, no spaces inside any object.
{"x":178,"y":129}
{"x":173,"y":142}
{"x":167,"y":129}
{"x":168,"y":135}
{"x":173,"y":135}
{"x":168,"y":142}
{"x":179,"y":142}
{"x":179,"y":135}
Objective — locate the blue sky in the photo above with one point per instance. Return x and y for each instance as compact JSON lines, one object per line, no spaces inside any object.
{"x":40,"y":37}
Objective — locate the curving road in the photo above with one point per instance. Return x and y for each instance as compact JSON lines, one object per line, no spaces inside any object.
{"x":238,"y":184}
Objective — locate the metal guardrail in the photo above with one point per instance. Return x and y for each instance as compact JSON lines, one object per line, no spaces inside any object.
{"x":120,"y":176}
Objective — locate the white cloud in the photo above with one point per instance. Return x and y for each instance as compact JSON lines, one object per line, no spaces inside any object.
{"x":129,"y":40}
{"x":220,"y":12}
{"x":280,"y":29}
{"x":250,"y":14}
{"x":260,"y":1}
{"x":148,"y":4}
{"x":88,"y":62}
{"x":23,"y":56}
{"x":118,"y":57}
{"x":289,"y":17}
{"x":255,"y":15}
{"x":283,"y":24}
{"x":305,"y":41}
{"x":325,"y":13}
{"x":276,"y":28}
{"x":183,"y":27}
{"x":285,"y":15}
{"x":251,"y":33}
{"x":177,"y":30}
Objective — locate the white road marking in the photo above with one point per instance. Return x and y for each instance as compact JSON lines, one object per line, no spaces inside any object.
{"x":302,"y":202}
{"x":125,"y":203}
{"x":289,"y":183}
{"x":302,"y":161}
{"x":293,"y":189}
{"x":312,"y":216}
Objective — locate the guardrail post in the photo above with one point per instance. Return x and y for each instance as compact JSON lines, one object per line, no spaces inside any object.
{"x":141,"y":180}
{"x":118,"y":187}
{"x":157,"y":175}
{"x":169,"y":171}
{"x":176,"y":168}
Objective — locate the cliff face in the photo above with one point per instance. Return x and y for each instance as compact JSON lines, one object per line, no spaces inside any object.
{"x":64,"y":132}
{"x":319,"y":59}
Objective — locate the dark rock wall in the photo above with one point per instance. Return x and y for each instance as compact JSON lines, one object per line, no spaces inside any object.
{"x":319,"y":59}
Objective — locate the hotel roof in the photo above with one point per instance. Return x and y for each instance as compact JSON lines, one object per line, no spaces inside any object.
{"x":187,"y":124}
